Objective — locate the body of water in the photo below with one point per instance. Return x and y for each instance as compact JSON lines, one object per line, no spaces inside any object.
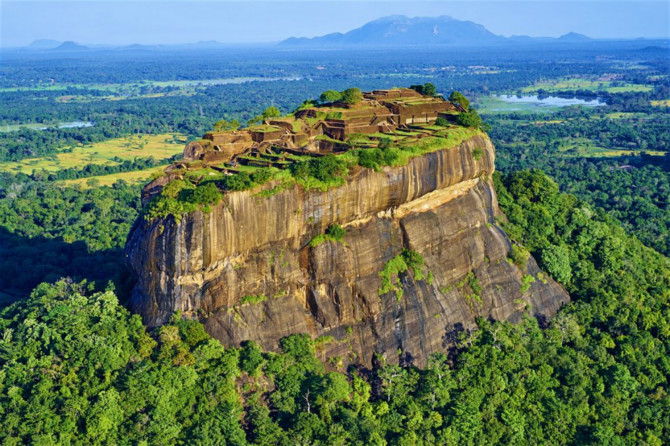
{"x":548,"y":101}
{"x":72,"y":125}
{"x":61,"y":125}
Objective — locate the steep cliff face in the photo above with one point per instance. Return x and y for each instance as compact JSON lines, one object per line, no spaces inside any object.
{"x":441,"y":205}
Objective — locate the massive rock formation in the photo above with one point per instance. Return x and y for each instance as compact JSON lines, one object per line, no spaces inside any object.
{"x":441,"y":205}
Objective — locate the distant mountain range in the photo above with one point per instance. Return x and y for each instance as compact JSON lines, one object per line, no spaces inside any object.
{"x":49,"y":45}
{"x":398,"y":30}
{"x":391,"y":31}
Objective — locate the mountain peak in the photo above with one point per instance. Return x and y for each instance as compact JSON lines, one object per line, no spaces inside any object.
{"x":43,"y":44}
{"x":400,"y":30}
{"x":574,"y":37}
{"x":70,"y":46}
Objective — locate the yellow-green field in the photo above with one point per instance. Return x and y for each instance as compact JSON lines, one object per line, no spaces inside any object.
{"x":137,"y":146}
{"x":584,"y":147}
{"x":137,"y":176}
{"x":626,"y":115}
{"x":663,"y":103}
{"x":586,"y":84}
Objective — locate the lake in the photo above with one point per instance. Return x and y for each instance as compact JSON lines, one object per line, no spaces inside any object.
{"x":61,"y":125}
{"x":546,"y":101}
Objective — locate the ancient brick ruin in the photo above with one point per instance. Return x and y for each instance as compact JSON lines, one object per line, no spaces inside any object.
{"x":322,"y":129}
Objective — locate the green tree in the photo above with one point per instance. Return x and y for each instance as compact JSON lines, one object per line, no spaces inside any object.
{"x":352,"y":96}
{"x":555,"y":259}
{"x":271,"y":112}
{"x":429,"y":89}
{"x":224,"y":126}
{"x":457,"y":97}
{"x":330,"y":96}
{"x":471,"y":119}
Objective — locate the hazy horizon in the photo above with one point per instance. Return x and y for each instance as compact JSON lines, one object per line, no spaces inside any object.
{"x":176,"y":22}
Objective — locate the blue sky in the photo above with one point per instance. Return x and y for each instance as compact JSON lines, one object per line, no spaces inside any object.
{"x":159,"y":21}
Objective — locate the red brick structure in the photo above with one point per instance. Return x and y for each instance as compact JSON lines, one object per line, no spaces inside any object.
{"x":380,"y":111}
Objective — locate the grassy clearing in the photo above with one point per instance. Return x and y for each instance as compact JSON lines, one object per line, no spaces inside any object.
{"x":135,"y":177}
{"x":103,"y":153}
{"x":615,"y":153}
{"x":626,"y":115}
{"x":663,"y":103}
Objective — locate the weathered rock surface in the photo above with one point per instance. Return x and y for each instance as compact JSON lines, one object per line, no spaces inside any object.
{"x":441,"y":205}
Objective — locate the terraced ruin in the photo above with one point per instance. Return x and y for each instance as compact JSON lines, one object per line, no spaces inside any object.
{"x":400,"y":116}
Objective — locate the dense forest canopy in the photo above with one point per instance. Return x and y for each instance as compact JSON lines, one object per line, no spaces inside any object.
{"x":77,"y":367}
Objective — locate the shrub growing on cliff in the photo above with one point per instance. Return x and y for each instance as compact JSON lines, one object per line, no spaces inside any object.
{"x":328,"y":171}
{"x":206,"y":194}
{"x":334,"y":233}
{"x":168,"y":202}
{"x":374,"y":158}
{"x":456,"y":97}
{"x":477,"y":153}
{"x":180,"y":197}
{"x":390,"y":275}
{"x":519,"y":256}
{"x":471,"y":119}
{"x":240,"y":181}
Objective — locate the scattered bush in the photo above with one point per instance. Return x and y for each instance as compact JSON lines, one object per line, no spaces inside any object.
{"x":390,"y":275}
{"x":525,"y":283}
{"x":253,"y":299}
{"x":442,"y":122}
{"x":519,"y":256}
{"x":385,"y":143}
{"x":477,"y":153}
{"x":271,"y":112}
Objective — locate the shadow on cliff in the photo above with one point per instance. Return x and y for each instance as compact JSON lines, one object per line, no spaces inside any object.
{"x":26,"y":262}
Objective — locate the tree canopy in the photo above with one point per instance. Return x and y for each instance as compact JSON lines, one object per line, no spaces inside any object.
{"x":457,"y":97}
{"x":330,"y":96}
{"x":352,"y":96}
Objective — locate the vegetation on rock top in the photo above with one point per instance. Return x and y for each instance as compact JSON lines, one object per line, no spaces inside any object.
{"x":320,"y":173}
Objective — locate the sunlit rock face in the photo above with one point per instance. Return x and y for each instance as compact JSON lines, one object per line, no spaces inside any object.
{"x":441,"y":205}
